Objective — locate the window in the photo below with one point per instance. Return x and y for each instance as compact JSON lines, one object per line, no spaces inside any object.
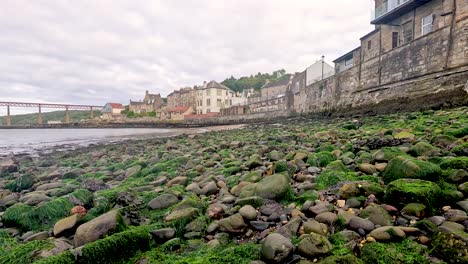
{"x":219,"y":92}
{"x":208,"y":102}
{"x":218,"y":103}
{"x":427,"y":23}
{"x":208,"y":92}
{"x":349,"y":60}
{"x":369,"y":44}
{"x":208,"y":110}
{"x":394,"y":40}
{"x":408,"y":32}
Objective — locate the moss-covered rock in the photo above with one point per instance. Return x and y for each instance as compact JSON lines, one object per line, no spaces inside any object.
{"x":81,"y":197}
{"x":404,"y":191}
{"x":320,"y":159}
{"x":394,"y":253}
{"x":425,"y":149}
{"x":387,"y":153}
{"x":275,"y":186}
{"x":64,"y":258}
{"x":346,"y":259}
{"x":455,"y":163}
{"x":99,"y":227}
{"x":377,"y":215}
{"x":404,"y":167}
{"x":38,"y":218}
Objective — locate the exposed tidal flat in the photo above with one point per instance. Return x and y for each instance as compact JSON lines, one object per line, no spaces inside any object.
{"x":381,"y":189}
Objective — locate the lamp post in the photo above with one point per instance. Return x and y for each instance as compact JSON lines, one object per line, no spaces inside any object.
{"x":323,"y":62}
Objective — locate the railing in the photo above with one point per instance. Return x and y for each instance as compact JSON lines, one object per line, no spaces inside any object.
{"x":387,"y":7}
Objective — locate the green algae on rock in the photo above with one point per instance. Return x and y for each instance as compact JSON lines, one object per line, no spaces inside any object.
{"x":404,"y":191}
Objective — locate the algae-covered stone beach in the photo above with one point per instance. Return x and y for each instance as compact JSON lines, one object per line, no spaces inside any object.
{"x":381,"y":189}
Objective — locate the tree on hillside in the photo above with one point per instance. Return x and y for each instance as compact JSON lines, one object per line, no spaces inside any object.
{"x":256,"y":82}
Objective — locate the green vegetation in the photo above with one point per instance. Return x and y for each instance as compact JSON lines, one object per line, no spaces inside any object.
{"x":241,"y":254}
{"x":28,"y":119}
{"x":41,"y":217}
{"x":407,"y":251}
{"x":255,"y":81}
{"x":11,"y":251}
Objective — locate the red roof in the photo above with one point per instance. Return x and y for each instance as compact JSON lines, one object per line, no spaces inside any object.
{"x":179,"y":109}
{"x":116,"y":105}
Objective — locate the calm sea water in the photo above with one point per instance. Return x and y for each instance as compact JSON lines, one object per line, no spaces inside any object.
{"x":33,"y":141}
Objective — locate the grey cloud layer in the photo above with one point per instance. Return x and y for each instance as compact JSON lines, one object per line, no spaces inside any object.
{"x":94,"y":51}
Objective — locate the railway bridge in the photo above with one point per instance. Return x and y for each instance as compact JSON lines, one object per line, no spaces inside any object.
{"x":41,"y":106}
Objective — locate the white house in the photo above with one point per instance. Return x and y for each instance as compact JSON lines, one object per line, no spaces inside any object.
{"x":211,"y":97}
{"x":314,"y":72}
{"x":112,"y":110}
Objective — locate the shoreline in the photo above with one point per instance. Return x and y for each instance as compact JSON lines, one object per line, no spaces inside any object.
{"x":390,"y":183}
{"x":63,"y":146}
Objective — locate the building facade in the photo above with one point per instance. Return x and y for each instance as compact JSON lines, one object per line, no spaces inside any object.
{"x":150,"y":103}
{"x":274,"y":89}
{"x":211,"y":97}
{"x":178,"y":113}
{"x":418,"y":48}
{"x":183,"y":97}
{"x":112,"y":111}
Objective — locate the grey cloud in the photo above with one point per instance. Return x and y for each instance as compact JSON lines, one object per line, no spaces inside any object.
{"x":91,"y":52}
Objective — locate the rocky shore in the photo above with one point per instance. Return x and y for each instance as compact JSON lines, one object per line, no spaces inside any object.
{"x":383,"y":189}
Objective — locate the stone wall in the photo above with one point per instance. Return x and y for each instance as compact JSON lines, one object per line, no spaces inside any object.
{"x":433,"y":66}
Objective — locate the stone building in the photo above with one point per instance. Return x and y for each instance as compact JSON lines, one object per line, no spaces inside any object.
{"x":183,"y":97}
{"x":274,"y":89}
{"x":178,"y":113}
{"x":417,"y":51}
{"x":150,"y":103}
{"x":211,"y":97}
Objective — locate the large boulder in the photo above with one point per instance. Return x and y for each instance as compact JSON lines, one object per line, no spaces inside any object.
{"x":33,"y":199}
{"x":404,"y":191}
{"x":49,"y":186}
{"x":163,"y":201}
{"x":276,"y":248}
{"x":185,"y":213}
{"x":233,"y":224}
{"x":99,"y":227}
{"x":312,"y":245}
{"x":406,"y":167}
{"x":271,"y":187}
{"x":377,"y":215}
{"x":66,"y":224}
{"x":8,"y":164}
{"x":386,"y":233}
{"x":132,"y":171}
{"x":425,"y":149}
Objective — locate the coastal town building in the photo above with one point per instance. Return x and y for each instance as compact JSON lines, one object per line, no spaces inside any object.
{"x":318,"y":71}
{"x":418,"y":49}
{"x":112,"y":111}
{"x":182,"y":97}
{"x":150,"y":103}
{"x":211,"y":97}
{"x":178,"y":113}
{"x":274,"y":89}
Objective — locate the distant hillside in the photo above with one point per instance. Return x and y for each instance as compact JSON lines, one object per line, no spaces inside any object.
{"x":256,"y":81}
{"x":75,"y":116}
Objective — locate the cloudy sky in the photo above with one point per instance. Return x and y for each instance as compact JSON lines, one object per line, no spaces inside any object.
{"x":96,"y":51}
